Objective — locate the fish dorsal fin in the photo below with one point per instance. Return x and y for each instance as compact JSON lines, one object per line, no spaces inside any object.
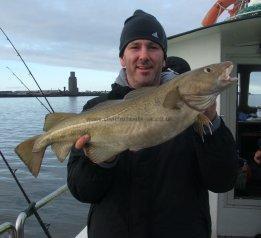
{"x":199,"y":102}
{"x":62,"y":149}
{"x":52,"y":119}
{"x":140,"y":92}
{"x":173,"y":99}
{"x":104,"y":104}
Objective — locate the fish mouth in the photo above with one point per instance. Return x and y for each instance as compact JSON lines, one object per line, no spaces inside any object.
{"x":225,"y":76}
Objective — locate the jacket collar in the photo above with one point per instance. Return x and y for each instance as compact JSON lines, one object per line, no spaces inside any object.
{"x":164,"y":77}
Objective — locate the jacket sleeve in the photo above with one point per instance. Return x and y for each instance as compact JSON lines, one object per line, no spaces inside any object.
{"x":217,"y":159}
{"x":88,"y":182}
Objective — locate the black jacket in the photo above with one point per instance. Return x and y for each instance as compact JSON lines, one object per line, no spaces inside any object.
{"x":158,"y":192}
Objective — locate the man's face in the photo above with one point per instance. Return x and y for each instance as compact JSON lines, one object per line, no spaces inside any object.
{"x":143,"y":60}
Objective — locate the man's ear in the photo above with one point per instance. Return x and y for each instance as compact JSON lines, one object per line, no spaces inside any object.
{"x":164,"y":63}
{"x":122,"y":61}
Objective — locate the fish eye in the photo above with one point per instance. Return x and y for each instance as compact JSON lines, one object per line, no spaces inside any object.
{"x":207,"y":70}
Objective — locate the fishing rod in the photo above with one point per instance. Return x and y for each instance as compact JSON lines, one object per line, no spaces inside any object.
{"x":31,"y":205}
{"x":28,"y":88}
{"x":27,"y":198}
{"x":27,"y":68}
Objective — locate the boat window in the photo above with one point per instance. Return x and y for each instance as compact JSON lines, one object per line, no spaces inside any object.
{"x":254,"y":95}
{"x":248,"y":132}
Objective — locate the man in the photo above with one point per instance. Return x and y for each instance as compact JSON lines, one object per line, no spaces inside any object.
{"x":160,"y":191}
{"x":257,"y":156}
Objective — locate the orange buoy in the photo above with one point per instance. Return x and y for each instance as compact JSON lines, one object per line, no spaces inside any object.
{"x":217,"y":9}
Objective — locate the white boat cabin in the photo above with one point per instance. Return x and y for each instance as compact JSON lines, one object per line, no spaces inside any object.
{"x":238,"y":212}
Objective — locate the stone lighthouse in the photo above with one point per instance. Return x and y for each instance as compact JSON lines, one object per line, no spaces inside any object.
{"x":72,"y":81}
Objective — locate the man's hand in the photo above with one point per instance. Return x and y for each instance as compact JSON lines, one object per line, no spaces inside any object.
{"x":211,"y":111}
{"x":257,"y":157}
{"x":81,"y":144}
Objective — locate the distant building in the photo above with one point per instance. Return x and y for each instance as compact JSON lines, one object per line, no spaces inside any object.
{"x":6,"y":92}
{"x":20,"y":92}
{"x":72,"y":82}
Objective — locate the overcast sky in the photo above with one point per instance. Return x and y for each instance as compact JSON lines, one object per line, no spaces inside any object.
{"x":56,"y":37}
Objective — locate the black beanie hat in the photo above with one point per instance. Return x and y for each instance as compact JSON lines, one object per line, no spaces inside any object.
{"x":142,"y":26}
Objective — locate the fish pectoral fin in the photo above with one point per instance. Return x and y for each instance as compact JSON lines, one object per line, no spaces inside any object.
{"x":140,"y":92}
{"x":99,"y":153}
{"x":62,"y":149}
{"x":200,"y":122}
{"x":173,"y":100}
{"x":32,"y":160}
{"x":52,"y":119}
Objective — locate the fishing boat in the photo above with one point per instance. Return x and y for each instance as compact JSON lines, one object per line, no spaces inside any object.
{"x":236,"y":213}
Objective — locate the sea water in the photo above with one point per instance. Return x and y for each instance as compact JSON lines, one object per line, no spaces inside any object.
{"x":21,"y":118}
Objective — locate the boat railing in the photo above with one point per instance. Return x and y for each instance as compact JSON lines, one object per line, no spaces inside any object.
{"x":8,"y":227}
{"x":17,"y":231}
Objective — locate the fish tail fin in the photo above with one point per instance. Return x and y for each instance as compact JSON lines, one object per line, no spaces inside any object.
{"x":32,"y":160}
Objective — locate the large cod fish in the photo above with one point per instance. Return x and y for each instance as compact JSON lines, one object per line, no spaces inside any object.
{"x":145,"y":117}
